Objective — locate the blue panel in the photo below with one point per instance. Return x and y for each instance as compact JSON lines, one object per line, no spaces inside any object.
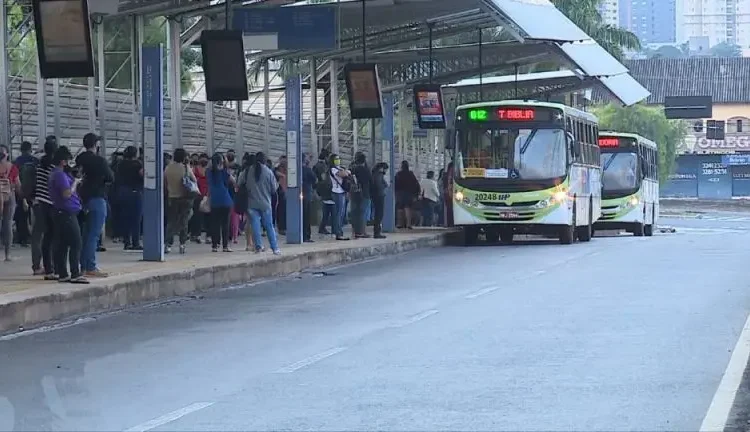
{"x":736,"y":159}
{"x":297,"y":27}
{"x":714,"y":179}
{"x":293,"y":122}
{"x":740,"y":180}
{"x":152,"y":97}
{"x":684,"y":182}
{"x":386,"y":123}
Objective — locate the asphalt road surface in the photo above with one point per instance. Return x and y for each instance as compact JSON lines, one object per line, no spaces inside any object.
{"x":622,"y":333}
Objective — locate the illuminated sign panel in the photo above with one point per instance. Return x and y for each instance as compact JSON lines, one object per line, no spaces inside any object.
{"x":609,"y":142}
{"x":516,"y":114}
{"x":519,"y":114}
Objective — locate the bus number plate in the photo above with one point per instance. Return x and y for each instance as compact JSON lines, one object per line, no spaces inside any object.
{"x":509,"y":215}
{"x":490,"y":196}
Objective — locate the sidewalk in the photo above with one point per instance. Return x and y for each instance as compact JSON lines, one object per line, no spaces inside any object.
{"x":27,"y":301}
{"x":676,"y":205}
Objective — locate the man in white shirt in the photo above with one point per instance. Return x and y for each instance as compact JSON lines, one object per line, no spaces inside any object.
{"x":430,"y":198}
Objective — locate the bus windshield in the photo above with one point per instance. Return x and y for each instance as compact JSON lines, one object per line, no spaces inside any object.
{"x":619,"y":171}
{"x":524,"y":154}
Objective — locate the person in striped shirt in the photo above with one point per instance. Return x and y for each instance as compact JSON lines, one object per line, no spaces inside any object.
{"x":42,"y":231}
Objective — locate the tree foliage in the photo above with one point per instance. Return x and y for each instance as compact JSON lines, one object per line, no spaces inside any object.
{"x":726,"y":50}
{"x":22,"y":54}
{"x":585,"y":14}
{"x":650,"y":123}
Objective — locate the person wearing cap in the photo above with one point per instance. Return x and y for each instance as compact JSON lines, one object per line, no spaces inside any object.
{"x":96,"y":176}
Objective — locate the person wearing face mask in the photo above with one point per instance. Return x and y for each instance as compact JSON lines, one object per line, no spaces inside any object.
{"x":10,"y":185}
{"x":198,"y":220}
{"x":340,"y":186}
{"x":66,"y":205}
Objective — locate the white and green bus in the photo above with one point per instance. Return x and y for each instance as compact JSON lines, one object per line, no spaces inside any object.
{"x":526,"y":167}
{"x":630,"y":183}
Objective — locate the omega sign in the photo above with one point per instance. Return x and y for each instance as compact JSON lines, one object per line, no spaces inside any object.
{"x":694,"y":143}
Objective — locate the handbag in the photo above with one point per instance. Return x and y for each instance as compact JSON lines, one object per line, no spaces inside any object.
{"x":205,"y":205}
{"x":190,"y":185}
{"x":241,"y":202}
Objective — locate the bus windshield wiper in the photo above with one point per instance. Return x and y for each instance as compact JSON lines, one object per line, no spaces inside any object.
{"x":609,"y":162}
{"x":528,"y":141}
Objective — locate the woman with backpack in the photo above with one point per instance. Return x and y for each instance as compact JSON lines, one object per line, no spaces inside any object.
{"x":10,"y":185}
{"x":340,"y":186}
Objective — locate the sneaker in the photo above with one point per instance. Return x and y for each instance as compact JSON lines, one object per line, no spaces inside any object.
{"x":226,"y":249}
{"x":277,"y":251}
{"x":39,"y":272}
{"x":260,"y":249}
{"x":309,"y":241}
{"x":51,"y":277}
{"x":79,"y":280}
{"x":101,"y":249}
{"x":167,"y":249}
{"x":214,"y":249}
{"x":379,"y":236}
{"x":64,"y":279}
{"x":248,"y":249}
{"x":342,"y":238}
{"x":96,"y":273}
{"x":137,"y":248}
{"x":182,"y":249}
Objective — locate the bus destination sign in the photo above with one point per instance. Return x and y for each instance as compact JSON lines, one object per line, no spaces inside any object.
{"x":510,"y":114}
{"x":614,"y":142}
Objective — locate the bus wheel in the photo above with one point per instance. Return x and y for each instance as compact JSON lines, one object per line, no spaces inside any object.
{"x":470,"y":236}
{"x":506,"y":236}
{"x":638,"y":229}
{"x":586,"y":232}
{"x":492,"y":235}
{"x":568,"y":232}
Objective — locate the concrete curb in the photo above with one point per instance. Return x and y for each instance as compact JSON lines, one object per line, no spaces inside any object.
{"x":69,"y":302}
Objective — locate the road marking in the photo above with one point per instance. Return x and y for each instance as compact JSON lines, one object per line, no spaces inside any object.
{"x":718,"y":412}
{"x":311,"y":360}
{"x":416,"y":318}
{"x":169,"y":417}
{"x":482,"y":292}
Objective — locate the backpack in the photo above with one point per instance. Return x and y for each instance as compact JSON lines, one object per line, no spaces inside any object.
{"x":241,"y":202}
{"x":28,"y":178}
{"x":6,"y":190}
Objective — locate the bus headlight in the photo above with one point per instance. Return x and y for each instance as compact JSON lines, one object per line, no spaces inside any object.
{"x":459,"y":196}
{"x":559,"y":196}
{"x":633,"y":201}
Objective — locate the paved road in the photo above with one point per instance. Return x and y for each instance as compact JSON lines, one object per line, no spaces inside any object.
{"x":621,"y":333}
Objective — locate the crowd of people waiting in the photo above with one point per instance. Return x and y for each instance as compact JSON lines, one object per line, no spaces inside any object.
{"x":61,"y":204}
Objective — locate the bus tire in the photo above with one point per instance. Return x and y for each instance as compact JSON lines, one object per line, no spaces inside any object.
{"x":506,"y":236}
{"x":638,"y":229}
{"x":568,"y":233}
{"x":470,"y":236}
{"x":586,"y":232}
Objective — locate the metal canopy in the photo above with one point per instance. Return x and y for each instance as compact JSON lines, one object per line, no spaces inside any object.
{"x":453,"y":52}
{"x":622,"y":88}
{"x":592,"y":59}
{"x":538,"y":19}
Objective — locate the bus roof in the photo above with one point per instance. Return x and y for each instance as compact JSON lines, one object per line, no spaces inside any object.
{"x":640,"y":139}
{"x":566,"y":109}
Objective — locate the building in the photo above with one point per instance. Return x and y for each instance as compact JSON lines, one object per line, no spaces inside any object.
{"x":610,"y":11}
{"x":705,"y":168}
{"x":653,"y":21}
{"x":719,"y":20}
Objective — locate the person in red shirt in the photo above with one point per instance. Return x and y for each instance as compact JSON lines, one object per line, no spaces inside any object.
{"x":198,"y":225}
{"x":10,"y":185}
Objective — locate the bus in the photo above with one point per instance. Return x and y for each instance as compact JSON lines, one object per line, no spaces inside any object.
{"x":630,"y":183}
{"x":525,"y":167}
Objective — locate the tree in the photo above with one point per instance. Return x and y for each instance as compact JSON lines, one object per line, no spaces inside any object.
{"x":667,"y":51}
{"x":726,"y":50}
{"x":650,"y":123}
{"x":585,"y":14}
{"x":22,"y":53}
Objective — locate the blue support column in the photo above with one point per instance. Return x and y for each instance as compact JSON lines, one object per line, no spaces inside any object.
{"x":386,"y":123}
{"x":293,"y":98}
{"x":152,"y":97}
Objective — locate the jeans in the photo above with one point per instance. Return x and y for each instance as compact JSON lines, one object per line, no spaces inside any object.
{"x":131,"y":212}
{"x":326,"y":217}
{"x":178,"y":216}
{"x":95,"y":218}
{"x":67,"y":244}
{"x":220,"y":226}
{"x":306,"y":209}
{"x":368,"y":210}
{"x":359,"y":222}
{"x":197,"y":220}
{"x":428,"y":212}
{"x":42,"y":236}
{"x":339,"y":213}
{"x":378,"y":204}
{"x":264,"y":218}
{"x":6,"y":222}
{"x":22,"y":223}
{"x":281,"y":212}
